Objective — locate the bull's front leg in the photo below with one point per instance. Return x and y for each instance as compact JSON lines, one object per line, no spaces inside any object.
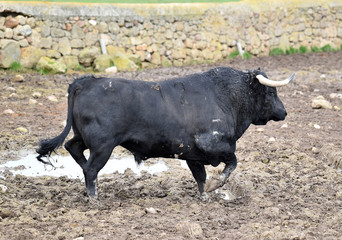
{"x":198,"y":171}
{"x":218,"y":181}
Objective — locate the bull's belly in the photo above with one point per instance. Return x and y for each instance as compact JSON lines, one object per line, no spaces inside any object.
{"x":171,"y":150}
{"x":162,"y":149}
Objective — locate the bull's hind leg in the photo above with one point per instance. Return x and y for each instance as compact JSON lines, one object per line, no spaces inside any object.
{"x":216,"y":182}
{"x":97,"y":159}
{"x":76,"y":147}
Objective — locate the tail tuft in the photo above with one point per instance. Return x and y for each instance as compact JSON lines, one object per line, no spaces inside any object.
{"x":47,"y":146}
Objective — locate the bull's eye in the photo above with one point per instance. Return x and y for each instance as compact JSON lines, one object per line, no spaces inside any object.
{"x":272,"y":93}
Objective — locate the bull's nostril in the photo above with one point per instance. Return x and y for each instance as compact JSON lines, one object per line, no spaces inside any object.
{"x":285,"y":113}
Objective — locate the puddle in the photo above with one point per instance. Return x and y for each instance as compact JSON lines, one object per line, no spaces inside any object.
{"x":66,"y":166}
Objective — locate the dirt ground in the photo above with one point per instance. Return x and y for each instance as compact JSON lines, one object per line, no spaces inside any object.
{"x":287,"y":185}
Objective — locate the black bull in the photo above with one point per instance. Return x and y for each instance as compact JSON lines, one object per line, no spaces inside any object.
{"x":197,"y":118}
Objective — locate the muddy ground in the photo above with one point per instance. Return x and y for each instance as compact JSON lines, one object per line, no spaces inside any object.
{"x":287,"y":185}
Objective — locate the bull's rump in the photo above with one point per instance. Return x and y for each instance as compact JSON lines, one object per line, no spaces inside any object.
{"x":151,"y":119}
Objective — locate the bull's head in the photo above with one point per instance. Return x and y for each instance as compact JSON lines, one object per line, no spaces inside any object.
{"x":272,"y":108}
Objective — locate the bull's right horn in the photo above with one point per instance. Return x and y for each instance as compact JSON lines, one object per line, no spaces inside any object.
{"x":272,"y":83}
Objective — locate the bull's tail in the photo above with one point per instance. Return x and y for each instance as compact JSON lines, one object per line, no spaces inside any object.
{"x":47,"y":146}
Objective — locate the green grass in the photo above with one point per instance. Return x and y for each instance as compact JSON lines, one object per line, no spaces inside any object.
{"x":327,"y":48}
{"x":78,"y":68}
{"x":166,"y":64}
{"x":276,"y":52}
{"x":292,"y":50}
{"x":234,"y":54}
{"x":137,"y":1}
{"x":43,"y":71}
{"x":15,"y":66}
{"x":247,"y":55}
{"x":315,"y":49}
{"x":303,"y":49}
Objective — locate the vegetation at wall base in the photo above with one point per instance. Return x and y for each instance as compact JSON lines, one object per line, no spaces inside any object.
{"x":192,"y":62}
{"x":303,"y":49}
{"x":79,"y":68}
{"x":315,"y":49}
{"x":247,"y":55}
{"x":43,"y":71}
{"x":16,"y":66}
{"x":327,"y":48}
{"x":234,"y":54}
{"x":292,"y":50}
{"x":276,"y":52}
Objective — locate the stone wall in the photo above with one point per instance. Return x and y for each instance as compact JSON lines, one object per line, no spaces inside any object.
{"x":148,"y":35}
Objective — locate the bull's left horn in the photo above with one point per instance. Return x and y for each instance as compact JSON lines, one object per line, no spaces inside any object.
{"x":271,"y":83}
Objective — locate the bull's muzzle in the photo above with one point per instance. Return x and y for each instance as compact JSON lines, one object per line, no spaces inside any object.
{"x":279,"y":116}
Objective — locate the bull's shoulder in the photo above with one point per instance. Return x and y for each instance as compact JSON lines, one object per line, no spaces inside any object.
{"x":214,"y":143}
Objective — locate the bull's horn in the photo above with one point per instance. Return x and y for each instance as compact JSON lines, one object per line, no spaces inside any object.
{"x":271,"y":83}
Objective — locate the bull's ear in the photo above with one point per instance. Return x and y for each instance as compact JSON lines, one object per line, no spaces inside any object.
{"x":259,"y":68}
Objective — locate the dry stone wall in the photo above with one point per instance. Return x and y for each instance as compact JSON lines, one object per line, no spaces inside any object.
{"x":68,"y":36}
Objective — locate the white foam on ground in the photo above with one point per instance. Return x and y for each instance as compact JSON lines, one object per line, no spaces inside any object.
{"x":66,"y":166}
{"x":184,"y":164}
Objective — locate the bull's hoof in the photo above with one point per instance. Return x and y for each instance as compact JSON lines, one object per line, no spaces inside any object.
{"x":92,"y":194}
{"x":93,"y":197}
{"x":205,"y":197}
{"x":95,"y":202}
{"x":214,"y":183}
